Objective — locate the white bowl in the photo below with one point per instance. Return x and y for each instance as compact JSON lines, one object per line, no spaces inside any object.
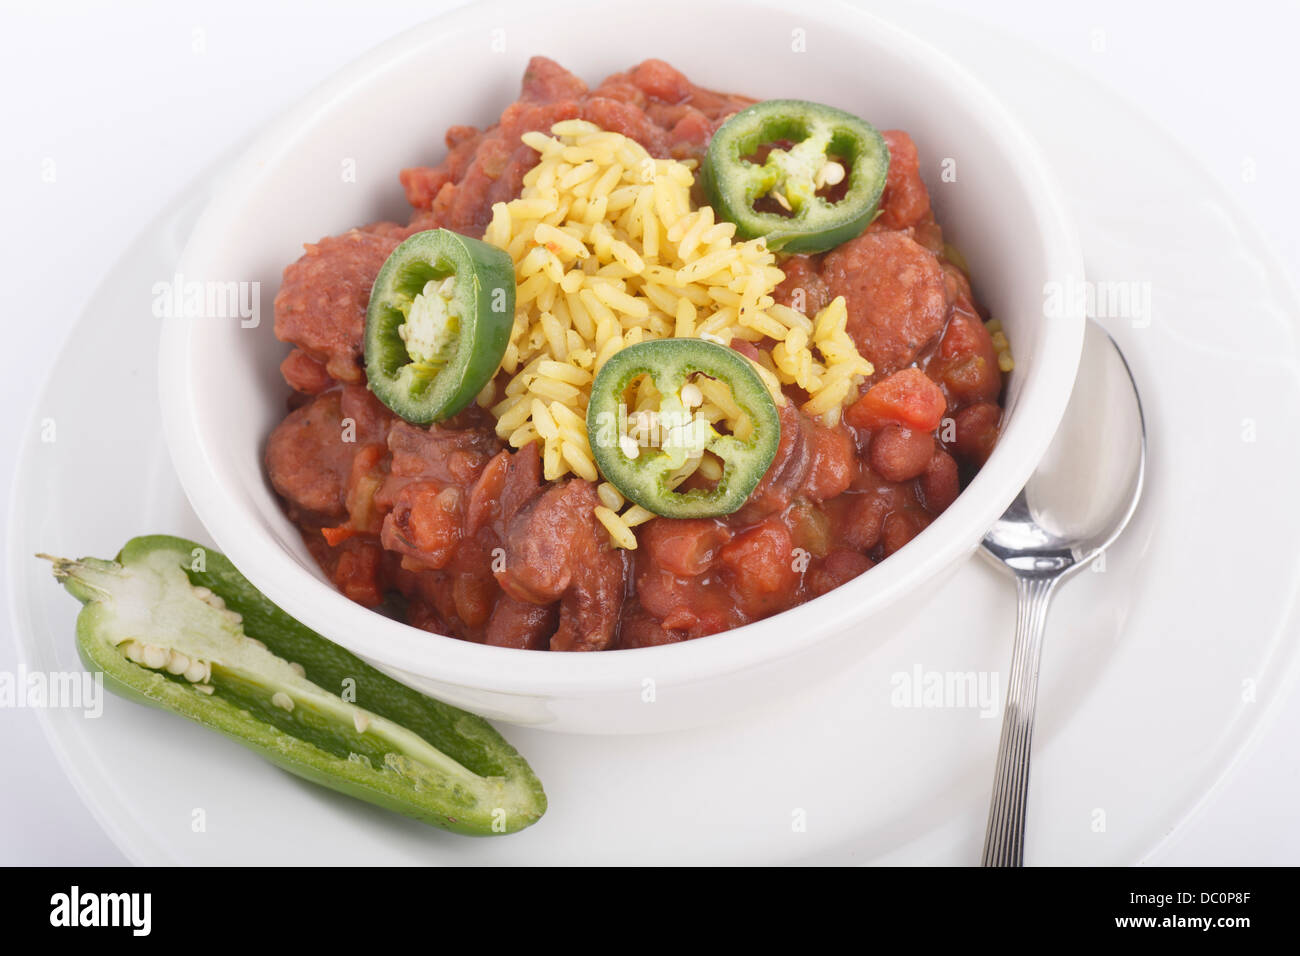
{"x":222,"y":394}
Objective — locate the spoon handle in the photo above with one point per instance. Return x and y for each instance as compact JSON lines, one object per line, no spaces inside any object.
{"x":1004,"y":841}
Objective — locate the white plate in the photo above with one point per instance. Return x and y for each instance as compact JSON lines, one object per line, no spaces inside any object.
{"x":1155,"y":674}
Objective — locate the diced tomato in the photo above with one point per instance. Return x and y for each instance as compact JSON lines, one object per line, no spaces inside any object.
{"x":693,"y":129}
{"x":908,"y":397}
{"x":336,"y":536}
{"x":685,"y":546}
{"x":357,"y":574}
{"x":762,"y":564}
{"x":685,"y":607}
{"x":967,"y":362}
{"x":433,"y":523}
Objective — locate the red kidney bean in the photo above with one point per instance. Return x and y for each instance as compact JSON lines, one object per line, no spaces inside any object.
{"x":939,"y":482}
{"x":866,"y":514}
{"x":838,"y":568}
{"x":833,"y":460}
{"x":900,"y":528}
{"x":900,"y":454}
{"x":976,"y":429}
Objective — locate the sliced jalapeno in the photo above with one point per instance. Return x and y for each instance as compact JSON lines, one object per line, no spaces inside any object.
{"x":175,"y":625}
{"x":822,"y":190}
{"x":438,"y":324}
{"x":646,"y":453}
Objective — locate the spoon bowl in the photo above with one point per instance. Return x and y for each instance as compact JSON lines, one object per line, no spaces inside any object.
{"x":1078,"y":501}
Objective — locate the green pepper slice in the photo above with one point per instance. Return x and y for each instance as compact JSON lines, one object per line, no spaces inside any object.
{"x":173,"y":624}
{"x":646,"y":466}
{"x":822,"y":191}
{"x":438,"y":323}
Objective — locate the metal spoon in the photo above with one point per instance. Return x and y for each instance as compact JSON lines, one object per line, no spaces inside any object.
{"x":1075,"y":505}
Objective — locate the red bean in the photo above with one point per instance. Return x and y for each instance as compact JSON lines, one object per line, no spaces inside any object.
{"x":900,"y":528}
{"x":520,"y":624}
{"x":304,"y":373}
{"x":474,"y":594}
{"x":838,"y":568}
{"x":939,"y":482}
{"x":865,"y":516}
{"x":900,"y":454}
{"x":833,"y":458}
{"x":640,"y":629}
{"x":976,"y":428}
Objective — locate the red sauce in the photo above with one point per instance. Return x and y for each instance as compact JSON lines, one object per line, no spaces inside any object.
{"x":458,"y":535}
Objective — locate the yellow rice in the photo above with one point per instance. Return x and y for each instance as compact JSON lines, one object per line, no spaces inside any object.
{"x":608,"y":252}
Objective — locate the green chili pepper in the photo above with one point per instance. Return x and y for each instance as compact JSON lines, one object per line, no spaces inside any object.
{"x":821,"y":191}
{"x":645,"y":454}
{"x":175,"y":625}
{"x":438,"y":324}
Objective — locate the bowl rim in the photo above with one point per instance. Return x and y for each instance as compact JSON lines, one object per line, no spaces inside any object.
{"x":393,"y":644}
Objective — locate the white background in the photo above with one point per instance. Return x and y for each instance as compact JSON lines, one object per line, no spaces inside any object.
{"x":131,"y":101}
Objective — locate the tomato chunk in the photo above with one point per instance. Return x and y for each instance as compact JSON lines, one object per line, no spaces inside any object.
{"x":762,"y":567}
{"x":685,"y":546}
{"x":908,"y":398}
{"x":967,"y":362}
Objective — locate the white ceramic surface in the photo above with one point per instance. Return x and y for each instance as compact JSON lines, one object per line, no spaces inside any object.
{"x":1143,"y":707}
{"x":221,"y":392}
